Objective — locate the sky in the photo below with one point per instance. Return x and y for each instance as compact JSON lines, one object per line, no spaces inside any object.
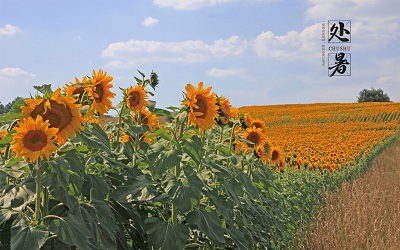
{"x":254,"y":52}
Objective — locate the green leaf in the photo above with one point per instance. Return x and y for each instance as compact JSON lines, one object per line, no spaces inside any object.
{"x":71,"y":230}
{"x":185,"y":192}
{"x":45,"y":89}
{"x":223,"y":205}
{"x":25,"y":237}
{"x":165,"y":160}
{"x":16,"y":107}
{"x":96,"y":187}
{"x":208,"y":223}
{"x":96,"y":138}
{"x":141,"y":188}
{"x":239,"y":239}
{"x":194,"y":148}
{"x":141,"y":73}
{"x":162,"y":132}
{"x":9,"y":117}
{"x":18,"y":197}
{"x":161,"y":112}
{"x":245,"y":180}
{"x":56,"y":176}
{"x":165,"y":236}
{"x":15,"y":167}
{"x":7,"y":139}
{"x":101,"y":225}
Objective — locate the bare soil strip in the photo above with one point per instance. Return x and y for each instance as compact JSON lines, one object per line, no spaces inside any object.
{"x":363,"y":214}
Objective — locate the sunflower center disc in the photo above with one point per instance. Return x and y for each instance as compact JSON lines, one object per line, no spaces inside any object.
{"x":100,"y":92}
{"x":35,"y":140}
{"x":202,"y":107}
{"x":253,"y":137}
{"x":134,"y":99}
{"x":59,"y":116}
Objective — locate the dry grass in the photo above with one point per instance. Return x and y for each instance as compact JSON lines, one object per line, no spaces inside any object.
{"x":364,"y":214}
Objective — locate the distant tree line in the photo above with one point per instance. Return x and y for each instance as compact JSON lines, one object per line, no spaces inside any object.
{"x":5,"y":108}
{"x":373,"y":95}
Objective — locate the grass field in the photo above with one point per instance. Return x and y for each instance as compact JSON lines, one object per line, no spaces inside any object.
{"x":363,"y":214}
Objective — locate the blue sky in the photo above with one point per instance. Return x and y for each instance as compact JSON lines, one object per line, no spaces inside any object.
{"x":254,"y":52}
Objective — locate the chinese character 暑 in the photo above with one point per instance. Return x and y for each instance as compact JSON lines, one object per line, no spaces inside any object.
{"x":340,"y":65}
{"x":339,"y":30}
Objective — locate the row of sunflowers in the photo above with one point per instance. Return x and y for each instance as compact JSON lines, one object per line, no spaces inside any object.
{"x":328,"y":136}
{"x":71,"y":180}
{"x":49,"y":120}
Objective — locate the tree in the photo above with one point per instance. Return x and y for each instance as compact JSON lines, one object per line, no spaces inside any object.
{"x":7,"y":107}
{"x":373,"y":95}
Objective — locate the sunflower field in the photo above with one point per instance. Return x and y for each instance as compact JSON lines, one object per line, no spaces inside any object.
{"x":209,"y":177}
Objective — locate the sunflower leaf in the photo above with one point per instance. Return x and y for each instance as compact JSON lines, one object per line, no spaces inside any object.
{"x":24,"y":236}
{"x":163,"y":235}
{"x":96,"y":138}
{"x":209,"y":223}
{"x":185,"y":192}
{"x":45,"y":89}
{"x":9,"y":117}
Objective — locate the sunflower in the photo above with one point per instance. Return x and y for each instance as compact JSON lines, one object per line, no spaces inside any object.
{"x":34,"y":139}
{"x":246,"y":120}
{"x":125,"y":137}
{"x":62,"y":112}
{"x":77,"y":90}
{"x":99,"y":92}
{"x":258,"y":124}
{"x":3,"y":134}
{"x":254,"y":135}
{"x":146,"y":137}
{"x":260,"y":152}
{"x":276,"y":155}
{"x":148,"y":118}
{"x":224,"y":110}
{"x":136,"y":98}
{"x":202,"y":106}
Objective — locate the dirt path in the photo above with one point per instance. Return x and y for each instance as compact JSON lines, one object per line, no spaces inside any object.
{"x":364,"y":214}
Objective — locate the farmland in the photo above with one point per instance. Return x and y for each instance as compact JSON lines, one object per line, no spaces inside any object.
{"x":210,"y":177}
{"x":328,"y":136}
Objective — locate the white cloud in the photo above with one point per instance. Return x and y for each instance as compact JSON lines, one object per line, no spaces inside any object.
{"x":149,"y":21}
{"x":9,"y":30}
{"x":133,"y":52}
{"x":188,"y":4}
{"x":7,"y":73}
{"x":294,"y":45}
{"x":215,"y":72}
{"x":15,"y":82}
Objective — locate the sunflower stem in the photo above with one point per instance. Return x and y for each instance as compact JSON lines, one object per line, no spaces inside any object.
{"x":232,"y":136}
{"x":120,"y":121}
{"x":38,"y":189}
{"x":45,"y":201}
{"x":177,"y":172}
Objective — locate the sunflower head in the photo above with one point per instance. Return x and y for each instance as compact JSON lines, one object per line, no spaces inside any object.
{"x":258,"y":124}
{"x":254,"y":135}
{"x":148,"y":118}
{"x":276,"y":155}
{"x":34,"y":139}
{"x":224,"y":110}
{"x":61,"y":112}
{"x":245,"y":120}
{"x":136,"y":98}
{"x":77,"y":90}
{"x":202,"y":106}
{"x":99,"y":91}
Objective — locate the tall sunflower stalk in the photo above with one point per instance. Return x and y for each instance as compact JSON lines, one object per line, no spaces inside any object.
{"x":33,"y":141}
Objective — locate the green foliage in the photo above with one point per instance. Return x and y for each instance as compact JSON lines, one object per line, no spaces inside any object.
{"x":12,"y":106}
{"x":185,"y":190}
{"x":373,"y":95}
